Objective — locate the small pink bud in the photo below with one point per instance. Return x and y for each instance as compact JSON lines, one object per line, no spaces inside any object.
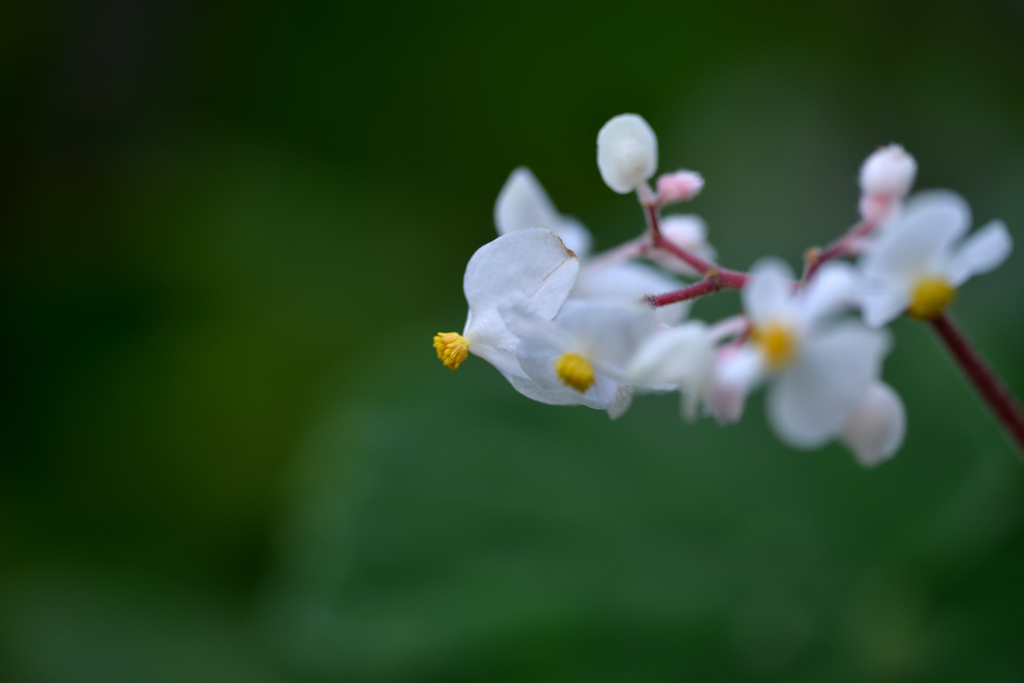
{"x":680,"y":186}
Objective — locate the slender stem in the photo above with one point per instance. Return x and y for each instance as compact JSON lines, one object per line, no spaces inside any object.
{"x":699,"y":289}
{"x":729,"y":279}
{"x":988,"y":385}
{"x":815,"y":258}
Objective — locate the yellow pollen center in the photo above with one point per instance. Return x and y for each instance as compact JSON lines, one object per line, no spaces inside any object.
{"x":452,"y":348}
{"x":930,"y":297}
{"x":574,"y":371}
{"x":777,"y":342}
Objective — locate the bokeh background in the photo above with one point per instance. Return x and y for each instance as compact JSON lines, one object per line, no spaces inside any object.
{"x":229,"y":453}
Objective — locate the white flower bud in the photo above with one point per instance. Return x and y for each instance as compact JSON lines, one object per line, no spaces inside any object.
{"x":875,"y":429}
{"x":681,"y":186}
{"x":889,"y":171}
{"x":627,"y":152}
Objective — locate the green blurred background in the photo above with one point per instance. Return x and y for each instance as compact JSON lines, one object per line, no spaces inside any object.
{"x":229,"y":453}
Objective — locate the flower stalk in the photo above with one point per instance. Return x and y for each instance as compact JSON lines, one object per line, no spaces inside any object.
{"x":990,"y":388}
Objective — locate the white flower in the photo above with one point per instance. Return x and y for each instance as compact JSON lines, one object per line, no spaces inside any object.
{"x":627,"y":152}
{"x":531,"y":265}
{"x":874,"y":430}
{"x":523,"y":203}
{"x":921,"y":258}
{"x":627,"y":283}
{"x":580,"y":356}
{"x":686,"y":231}
{"x":889,"y":171}
{"x":682,"y":357}
{"x":820,"y":370}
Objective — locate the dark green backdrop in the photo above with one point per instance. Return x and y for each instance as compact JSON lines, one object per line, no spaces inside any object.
{"x":228,"y":452}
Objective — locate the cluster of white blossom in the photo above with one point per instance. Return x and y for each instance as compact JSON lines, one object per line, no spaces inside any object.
{"x":568,"y":328}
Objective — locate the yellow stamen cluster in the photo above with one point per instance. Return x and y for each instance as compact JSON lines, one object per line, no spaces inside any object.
{"x":452,"y":348}
{"x":575,"y":371}
{"x":930,"y":297}
{"x":778,"y":342}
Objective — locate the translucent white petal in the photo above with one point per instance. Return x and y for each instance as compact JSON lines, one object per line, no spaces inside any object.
{"x":743,"y":368}
{"x":538,"y":361}
{"x":627,"y":152}
{"x":812,"y":399}
{"x":623,"y":399}
{"x":737,"y":373}
{"x":922,"y":239}
{"x":530,"y":264}
{"x":575,"y":236}
{"x":883,"y":302}
{"x":928,"y":201}
{"x":874,"y":430}
{"x":769,"y":293}
{"x":502,"y":358}
{"x":682,"y":356}
{"x":833,"y":286}
{"x":523,"y":203}
{"x":983,"y":251}
{"x":608,"y":334}
{"x":627,"y":283}
{"x":726,"y":402}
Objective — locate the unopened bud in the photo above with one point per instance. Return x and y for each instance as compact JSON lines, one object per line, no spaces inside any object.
{"x":681,"y":186}
{"x":875,"y":429}
{"x":627,"y":152}
{"x":889,"y":171}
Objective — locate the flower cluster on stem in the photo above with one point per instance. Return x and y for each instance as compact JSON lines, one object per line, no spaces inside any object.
{"x":568,"y":328}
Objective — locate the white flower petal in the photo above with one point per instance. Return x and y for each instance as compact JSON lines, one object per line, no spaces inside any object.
{"x":922,"y":240}
{"x":538,"y":361}
{"x":811,"y":400}
{"x":883,"y":302}
{"x":874,"y":430}
{"x":983,"y":251}
{"x":623,"y":399}
{"x":523,"y":203}
{"x":769,"y":293}
{"x":744,"y":368}
{"x":627,"y":283}
{"x":531,"y":264}
{"x":679,"y":356}
{"x":737,"y":371}
{"x":608,"y":334}
{"x":833,"y":286}
{"x":927,"y":201}
{"x":627,"y":152}
{"x":575,"y":236}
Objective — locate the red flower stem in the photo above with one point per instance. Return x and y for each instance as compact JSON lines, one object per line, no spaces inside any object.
{"x":728,"y":279}
{"x":815,"y":258}
{"x":699,"y":289}
{"x":988,"y":385}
